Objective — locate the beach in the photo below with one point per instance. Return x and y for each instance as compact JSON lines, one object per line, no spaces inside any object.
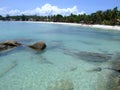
{"x":107,"y":27}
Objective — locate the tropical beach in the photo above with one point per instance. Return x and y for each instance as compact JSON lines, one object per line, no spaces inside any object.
{"x":59,"y":46}
{"x":108,"y":27}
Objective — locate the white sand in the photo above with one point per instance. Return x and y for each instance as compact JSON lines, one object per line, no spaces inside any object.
{"x":108,"y":27}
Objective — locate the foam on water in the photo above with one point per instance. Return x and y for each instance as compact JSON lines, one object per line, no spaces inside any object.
{"x":60,"y":66}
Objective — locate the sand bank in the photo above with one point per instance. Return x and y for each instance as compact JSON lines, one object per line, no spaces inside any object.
{"x":108,"y":27}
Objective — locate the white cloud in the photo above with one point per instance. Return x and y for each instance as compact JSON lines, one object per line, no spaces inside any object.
{"x":46,"y":9}
{"x":14,"y":12}
{"x":3,"y":11}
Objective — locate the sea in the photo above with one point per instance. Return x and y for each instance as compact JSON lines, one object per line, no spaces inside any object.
{"x":76,"y":57}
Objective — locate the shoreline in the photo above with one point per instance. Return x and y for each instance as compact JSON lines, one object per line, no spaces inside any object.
{"x":97,"y":26}
{"x":107,"y":27}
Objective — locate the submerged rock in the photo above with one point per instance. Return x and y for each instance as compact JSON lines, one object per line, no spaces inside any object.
{"x":8,"y":45}
{"x":116,"y":66}
{"x":116,"y":62}
{"x":115,"y":76}
{"x":93,"y":57}
{"x":89,"y":56}
{"x":114,"y":82}
{"x":98,"y":69}
{"x":38,"y":46}
{"x":12,"y":43}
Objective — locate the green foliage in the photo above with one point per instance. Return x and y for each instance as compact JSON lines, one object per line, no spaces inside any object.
{"x":58,"y":18}
{"x":108,"y":17}
{"x":1,"y":17}
{"x":106,"y":22}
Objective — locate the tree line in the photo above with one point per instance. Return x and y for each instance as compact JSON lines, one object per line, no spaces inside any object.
{"x":107,"y":17}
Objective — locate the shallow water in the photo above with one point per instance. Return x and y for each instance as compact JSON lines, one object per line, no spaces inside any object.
{"x":62,"y":65}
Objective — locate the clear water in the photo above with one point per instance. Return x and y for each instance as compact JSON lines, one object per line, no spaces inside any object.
{"x":59,"y":66}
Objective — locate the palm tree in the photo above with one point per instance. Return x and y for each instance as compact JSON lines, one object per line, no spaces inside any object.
{"x":115,"y":15}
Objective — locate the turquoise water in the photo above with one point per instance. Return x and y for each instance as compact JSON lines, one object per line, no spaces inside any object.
{"x":65,"y":64}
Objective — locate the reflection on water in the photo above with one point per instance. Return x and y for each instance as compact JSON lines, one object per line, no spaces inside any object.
{"x":76,"y":58}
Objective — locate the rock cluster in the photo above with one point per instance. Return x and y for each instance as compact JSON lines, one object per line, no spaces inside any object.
{"x":8,"y":45}
{"x":117,"y":67}
{"x":12,"y":44}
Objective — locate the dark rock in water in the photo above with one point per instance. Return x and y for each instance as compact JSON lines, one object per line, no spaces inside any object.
{"x":98,"y":69}
{"x":12,"y":43}
{"x":94,"y":57}
{"x":116,"y":62}
{"x":8,"y":45}
{"x":89,"y":56}
{"x":114,"y":82}
{"x":2,"y":47}
{"x":38,"y":46}
{"x":116,"y":66}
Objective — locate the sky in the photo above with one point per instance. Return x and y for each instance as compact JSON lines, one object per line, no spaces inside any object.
{"x":51,"y":7}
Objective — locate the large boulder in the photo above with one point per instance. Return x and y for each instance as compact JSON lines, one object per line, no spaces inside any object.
{"x":8,"y":45}
{"x":38,"y":46}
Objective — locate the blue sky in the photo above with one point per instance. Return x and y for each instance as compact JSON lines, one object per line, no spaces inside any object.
{"x":64,"y":7}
